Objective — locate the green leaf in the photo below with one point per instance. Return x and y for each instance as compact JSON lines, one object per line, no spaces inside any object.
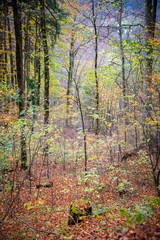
{"x":100,"y":229}
{"x":99,"y":211}
{"x":139,"y":218}
{"x":35,"y":194}
{"x":122,"y":212}
{"x":70,"y":237}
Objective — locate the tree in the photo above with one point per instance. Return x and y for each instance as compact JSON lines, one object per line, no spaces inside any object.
{"x":21,"y":85}
{"x":96,"y":66}
{"x":151,"y":133}
{"x":11,"y":54}
{"x":150,"y":21}
{"x":70,"y":75}
{"x":124,"y":84}
{"x":46,"y":74}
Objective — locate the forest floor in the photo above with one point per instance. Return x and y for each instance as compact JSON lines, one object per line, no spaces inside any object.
{"x":38,"y":202}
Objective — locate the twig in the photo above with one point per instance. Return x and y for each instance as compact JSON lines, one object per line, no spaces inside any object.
{"x":22,"y":182}
{"x":38,"y":230}
{"x":76,"y":224}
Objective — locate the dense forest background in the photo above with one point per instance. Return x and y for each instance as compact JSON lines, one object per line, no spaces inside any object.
{"x":80,"y":119}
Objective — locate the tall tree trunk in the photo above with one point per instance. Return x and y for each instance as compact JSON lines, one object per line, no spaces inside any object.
{"x":5,"y":44}
{"x":96,"y":67}
{"x":46,"y":74}
{"x":124,"y":84}
{"x":27,"y":58}
{"x":150,"y":20}
{"x":11,"y":55}
{"x":38,"y":66}
{"x":83,"y":127}
{"x":46,"y":65}
{"x":2,"y":58}
{"x":39,"y":78}
{"x":34,"y":103}
{"x":21,"y":85}
{"x":70,"y":78}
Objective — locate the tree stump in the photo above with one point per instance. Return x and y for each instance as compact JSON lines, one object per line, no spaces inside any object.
{"x":78,"y":210}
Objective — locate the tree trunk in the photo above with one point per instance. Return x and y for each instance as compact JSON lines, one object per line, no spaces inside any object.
{"x":21,"y":85}
{"x":83,"y":129}
{"x":1,"y":49}
{"x":46,"y":79}
{"x":5,"y":46}
{"x":39,"y":78}
{"x":27,"y":58}
{"x":95,"y":67}
{"x":150,"y":20}
{"x":11,"y":55}
{"x":70,"y":78}
{"x":46,"y":65}
{"x":124,"y":84}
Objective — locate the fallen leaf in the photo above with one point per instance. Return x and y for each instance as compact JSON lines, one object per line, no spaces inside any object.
{"x":123,"y":238}
{"x":124,"y":230}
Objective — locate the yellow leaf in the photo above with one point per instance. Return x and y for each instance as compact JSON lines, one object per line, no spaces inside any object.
{"x":121,"y":185}
{"x":30,"y":207}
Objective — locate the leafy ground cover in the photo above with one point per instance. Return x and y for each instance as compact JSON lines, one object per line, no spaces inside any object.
{"x":36,"y":203}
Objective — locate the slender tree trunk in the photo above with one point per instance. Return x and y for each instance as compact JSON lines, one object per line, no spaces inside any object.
{"x":83,"y":127}
{"x":46,"y":80}
{"x":39,"y":78}
{"x":34,"y":103}
{"x":11,"y":51}
{"x":96,"y":67}
{"x":21,"y":85}
{"x":70,"y":78}
{"x":123,"y":68}
{"x":27,"y":59}
{"x":5,"y":45}
{"x":2,"y":59}
{"x":46,"y":65}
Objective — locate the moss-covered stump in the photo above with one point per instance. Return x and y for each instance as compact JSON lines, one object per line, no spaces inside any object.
{"x":78,"y":210}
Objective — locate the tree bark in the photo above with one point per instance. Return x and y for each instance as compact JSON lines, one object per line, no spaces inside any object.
{"x":46,"y":79}
{"x":5,"y":46}
{"x":1,"y":49}
{"x":124,"y":84}
{"x":11,"y":55}
{"x":96,"y":67}
{"x":46,"y":65}
{"x":150,"y":20}
{"x":39,"y":78}
{"x":70,"y":78}
{"x":21,"y":85}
